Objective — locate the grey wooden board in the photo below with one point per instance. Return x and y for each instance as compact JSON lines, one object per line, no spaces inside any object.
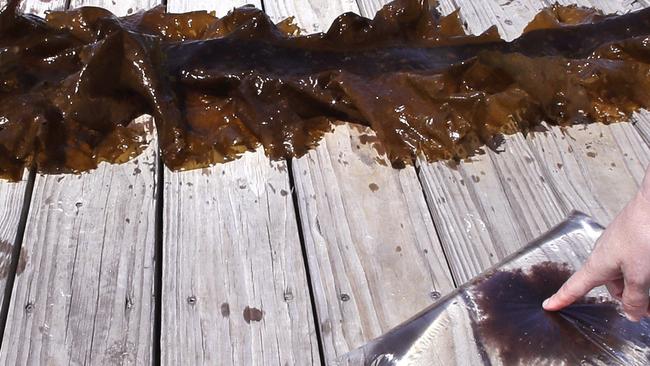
{"x":596,"y":168}
{"x":311,"y":15}
{"x":366,"y":226}
{"x":12,"y":196}
{"x":487,"y":208}
{"x":231,"y":243}
{"x":492,"y":204}
{"x":86,"y":294}
{"x":642,"y":120}
{"x":118,"y":7}
{"x":38,"y":6}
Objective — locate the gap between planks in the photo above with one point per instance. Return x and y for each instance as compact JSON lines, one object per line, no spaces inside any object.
{"x":11,"y":264}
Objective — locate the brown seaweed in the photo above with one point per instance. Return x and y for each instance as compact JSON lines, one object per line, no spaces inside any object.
{"x":71,"y":84}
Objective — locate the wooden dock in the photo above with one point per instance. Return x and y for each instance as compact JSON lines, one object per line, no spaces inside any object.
{"x":257,"y":262}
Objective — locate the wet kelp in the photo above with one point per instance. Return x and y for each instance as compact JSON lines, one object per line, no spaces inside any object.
{"x":71,"y":84}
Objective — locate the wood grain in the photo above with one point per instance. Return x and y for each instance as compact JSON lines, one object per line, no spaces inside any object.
{"x":235,"y":289}
{"x":118,"y":7}
{"x":86,"y":295}
{"x":642,"y":125}
{"x":366,"y":226}
{"x":12,"y":196}
{"x":11,"y":202}
{"x":368,"y":8}
{"x":596,"y":168}
{"x":38,"y":7}
{"x":374,"y":255}
{"x":311,"y":15}
{"x":231,"y":243}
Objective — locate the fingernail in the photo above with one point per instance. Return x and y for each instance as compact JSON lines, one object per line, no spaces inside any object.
{"x":631,"y":318}
{"x":545,"y":303}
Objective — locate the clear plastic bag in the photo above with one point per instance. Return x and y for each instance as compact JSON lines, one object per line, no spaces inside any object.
{"x":497,"y":318}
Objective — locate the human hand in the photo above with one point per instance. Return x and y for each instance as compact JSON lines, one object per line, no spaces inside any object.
{"x":620,"y":261}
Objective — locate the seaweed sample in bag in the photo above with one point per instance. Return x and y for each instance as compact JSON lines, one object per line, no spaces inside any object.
{"x":592,"y":330}
{"x":71,"y":84}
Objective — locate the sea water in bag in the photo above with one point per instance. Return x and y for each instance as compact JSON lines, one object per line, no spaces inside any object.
{"x":497,"y":318}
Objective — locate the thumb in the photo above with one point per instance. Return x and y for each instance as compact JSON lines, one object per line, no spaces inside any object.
{"x":574,"y":288}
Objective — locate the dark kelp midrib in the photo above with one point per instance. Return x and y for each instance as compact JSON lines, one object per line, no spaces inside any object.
{"x":72,"y":84}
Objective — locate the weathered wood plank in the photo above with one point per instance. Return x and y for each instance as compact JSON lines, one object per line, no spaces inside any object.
{"x":368,"y":8}
{"x":367,"y":232}
{"x":642,"y":124}
{"x":366,"y":226}
{"x":490,"y":206}
{"x":12,"y":196}
{"x":311,"y":15}
{"x":86,"y":295}
{"x":121,"y":7}
{"x":220,"y":8}
{"x":38,"y":7}
{"x":235,"y":289}
{"x":585,"y":163}
{"x":231,"y":244}
{"x":470,"y":222}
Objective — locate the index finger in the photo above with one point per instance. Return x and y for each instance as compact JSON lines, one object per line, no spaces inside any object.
{"x":577,"y":286}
